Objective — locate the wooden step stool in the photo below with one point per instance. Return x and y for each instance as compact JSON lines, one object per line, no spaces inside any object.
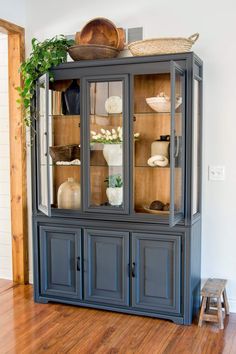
{"x":212,"y":311}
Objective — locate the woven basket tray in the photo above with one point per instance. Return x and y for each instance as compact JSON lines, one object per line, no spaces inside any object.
{"x":64,"y":152}
{"x":162,"y":45}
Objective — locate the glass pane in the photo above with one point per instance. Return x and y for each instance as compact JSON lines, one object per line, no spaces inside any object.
{"x":42,"y":147}
{"x":64,"y":144}
{"x":178,"y":152}
{"x":152,"y":124}
{"x":196,"y":156}
{"x":106,"y":144}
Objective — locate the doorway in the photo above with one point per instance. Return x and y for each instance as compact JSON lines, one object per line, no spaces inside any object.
{"x":18,"y":191}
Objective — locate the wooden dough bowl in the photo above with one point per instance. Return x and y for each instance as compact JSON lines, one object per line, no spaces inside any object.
{"x":103,"y":32}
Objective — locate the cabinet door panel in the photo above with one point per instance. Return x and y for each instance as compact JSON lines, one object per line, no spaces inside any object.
{"x":106,"y":144}
{"x":60,"y":251}
{"x":177,"y":144}
{"x":156,"y":281}
{"x":106,"y":266}
{"x":43,"y":177}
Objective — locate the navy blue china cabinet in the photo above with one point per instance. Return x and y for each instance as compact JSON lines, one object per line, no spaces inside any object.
{"x":116,"y":170}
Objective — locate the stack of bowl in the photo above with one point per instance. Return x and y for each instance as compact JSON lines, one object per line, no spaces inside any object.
{"x":98,"y":39}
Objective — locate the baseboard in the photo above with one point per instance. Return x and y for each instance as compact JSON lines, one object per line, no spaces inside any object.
{"x":232,"y":305}
{"x":31,"y":277}
{"x":5,"y":274}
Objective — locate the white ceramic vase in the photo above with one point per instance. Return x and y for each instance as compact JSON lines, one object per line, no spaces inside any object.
{"x":113,"y":154}
{"x":115,"y":195}
{"x":69,"y":195}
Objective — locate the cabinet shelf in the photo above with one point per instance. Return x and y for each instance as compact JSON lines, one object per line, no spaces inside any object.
{"x":55,"y":165}
{"x":64,"y":116}
{"x":154,"y":113}
{"x":112,"y":166}
{"x":135,"y":166}
{"x":108,"y":115}
{"x":152,"y":167}
{"x":107,"y":166}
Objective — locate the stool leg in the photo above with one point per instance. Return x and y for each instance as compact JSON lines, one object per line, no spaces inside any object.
{"x":208,"y":303}
{"x":219,"y":312}
{"x":226,"y":303}
{"x":203,"y":306}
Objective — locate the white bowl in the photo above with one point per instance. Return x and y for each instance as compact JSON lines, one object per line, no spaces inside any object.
{"x":162,"y":103}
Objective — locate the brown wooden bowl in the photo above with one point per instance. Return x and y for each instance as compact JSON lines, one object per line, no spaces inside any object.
{"x":145,"y":209}
{"x":60,"y":85}
{"x":121,"y":43}
{"x":99,"y":31}
{"x":92,"y":51}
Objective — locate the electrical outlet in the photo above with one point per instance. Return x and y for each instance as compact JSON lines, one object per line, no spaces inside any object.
{"x":216,"y":173}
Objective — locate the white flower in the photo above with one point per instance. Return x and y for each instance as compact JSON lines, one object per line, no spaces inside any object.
{"x":115,"y":135}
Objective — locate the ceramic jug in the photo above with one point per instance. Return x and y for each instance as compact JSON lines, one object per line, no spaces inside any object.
{"x":68,"y":195}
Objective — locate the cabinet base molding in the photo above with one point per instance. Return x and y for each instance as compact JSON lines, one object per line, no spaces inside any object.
{"x":176,"y":320}
{"x":42,"y":300}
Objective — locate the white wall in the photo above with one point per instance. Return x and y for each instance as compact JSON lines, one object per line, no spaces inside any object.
{"x":13,"y":11}
{"x":5,"y":213}
{"x":215,"y":21}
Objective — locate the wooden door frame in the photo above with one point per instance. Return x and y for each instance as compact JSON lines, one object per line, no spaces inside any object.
{"x":19,"y":224}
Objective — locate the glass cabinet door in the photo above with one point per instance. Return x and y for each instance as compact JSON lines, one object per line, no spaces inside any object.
{"x":177,"y":144}
{"x":42,"y":146}
{"x":106,"y":176}
{"x":158,"y":144}
{"x":59,"y":144}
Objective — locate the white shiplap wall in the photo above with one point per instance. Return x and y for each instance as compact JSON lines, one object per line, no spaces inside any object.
{"x":5,"y":216}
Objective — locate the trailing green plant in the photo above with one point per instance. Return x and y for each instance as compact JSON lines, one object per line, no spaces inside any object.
{"x":114,"y":181}
{"x":44,"y":55}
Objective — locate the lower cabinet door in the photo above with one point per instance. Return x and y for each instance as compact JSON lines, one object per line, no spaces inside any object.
{"x":106,"y":272}
{"x":60,"y":261}
{"x":156,"y":272}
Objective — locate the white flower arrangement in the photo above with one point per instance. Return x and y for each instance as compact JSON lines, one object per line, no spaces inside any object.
{"x":115,"y":136}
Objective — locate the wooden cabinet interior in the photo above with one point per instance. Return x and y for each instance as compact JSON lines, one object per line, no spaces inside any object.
{"x":66,"y":131}
{"x":99,"y":170}
{"x":150,"y":183}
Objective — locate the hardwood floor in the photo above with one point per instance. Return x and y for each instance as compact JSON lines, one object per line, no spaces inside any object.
{"x":26,"y":327}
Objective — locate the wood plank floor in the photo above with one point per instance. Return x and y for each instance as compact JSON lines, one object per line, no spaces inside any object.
{"x":26,"y":327}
